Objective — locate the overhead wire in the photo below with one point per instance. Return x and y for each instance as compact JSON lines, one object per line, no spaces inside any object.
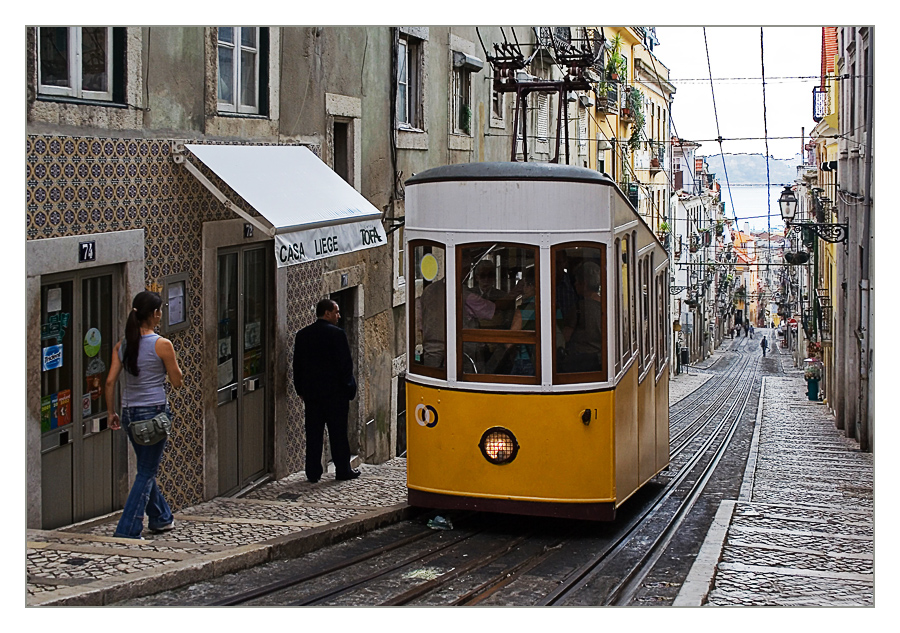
{"x":762,"y":59}
{"x":718,"y":130}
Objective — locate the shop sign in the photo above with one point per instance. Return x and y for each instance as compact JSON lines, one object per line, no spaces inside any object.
{"x":303,"y":246}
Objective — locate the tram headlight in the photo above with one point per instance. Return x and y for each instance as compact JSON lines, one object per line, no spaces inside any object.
{"x":498,"y":445}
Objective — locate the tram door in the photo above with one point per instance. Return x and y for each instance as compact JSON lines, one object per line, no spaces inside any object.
{"x":244,"y":342}
{"x":81,"y":457}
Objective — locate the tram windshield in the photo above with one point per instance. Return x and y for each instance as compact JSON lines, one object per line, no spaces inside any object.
{"x":498,"y":304}
{"x":579,"y":334}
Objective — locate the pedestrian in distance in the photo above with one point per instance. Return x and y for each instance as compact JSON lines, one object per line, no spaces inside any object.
{"x":764,"y":344}
{"x":751,"y":330}
{"x":147,"y":358}
{"x":732,"y":333}
{"x":323,"y":377}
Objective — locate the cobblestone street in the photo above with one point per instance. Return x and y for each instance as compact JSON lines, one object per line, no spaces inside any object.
{"x":802,"y":530}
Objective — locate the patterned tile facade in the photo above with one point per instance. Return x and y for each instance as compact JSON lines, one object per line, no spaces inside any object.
{"x":80,"y":185}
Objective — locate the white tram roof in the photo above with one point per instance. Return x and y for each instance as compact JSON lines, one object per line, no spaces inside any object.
{"x":515,"y":197}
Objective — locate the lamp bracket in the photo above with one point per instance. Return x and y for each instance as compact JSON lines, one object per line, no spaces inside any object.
{"x":833,"y":233}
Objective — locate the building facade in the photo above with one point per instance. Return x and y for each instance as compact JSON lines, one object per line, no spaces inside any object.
{"x":152,"y":161}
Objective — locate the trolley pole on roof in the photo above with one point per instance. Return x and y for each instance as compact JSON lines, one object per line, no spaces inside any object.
{"x":510,"y":75}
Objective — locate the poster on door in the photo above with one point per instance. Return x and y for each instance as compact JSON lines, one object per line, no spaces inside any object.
{"x":56,"y":410}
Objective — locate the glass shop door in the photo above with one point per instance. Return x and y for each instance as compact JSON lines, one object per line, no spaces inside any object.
{"x":244,"y":338}
{"x":81,"y":457}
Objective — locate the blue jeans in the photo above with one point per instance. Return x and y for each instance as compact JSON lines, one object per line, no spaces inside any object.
{"x":145,"y":495}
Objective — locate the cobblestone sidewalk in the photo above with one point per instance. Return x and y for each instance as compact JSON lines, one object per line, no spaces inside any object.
{"x":86,"y":565}
{"x":802,"y":531}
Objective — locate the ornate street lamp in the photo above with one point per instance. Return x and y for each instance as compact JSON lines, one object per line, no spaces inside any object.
{"x":788,"y":204}
{"x":833,"y":233}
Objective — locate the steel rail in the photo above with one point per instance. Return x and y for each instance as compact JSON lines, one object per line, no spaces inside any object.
{"x":280,"y":585}
{"x":320,"y":597}
{"x":592,"y":568}
{"x":625,"y":590}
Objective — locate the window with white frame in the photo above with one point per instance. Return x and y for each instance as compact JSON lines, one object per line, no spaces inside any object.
{"x":240,"y":69}
{"x":409,"y":95}
{"x":401,"y":258}
{"x":76,"y":61}
{"x":497,"y":104}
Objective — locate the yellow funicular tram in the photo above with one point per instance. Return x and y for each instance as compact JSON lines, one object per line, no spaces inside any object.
{"x":537,"y":310}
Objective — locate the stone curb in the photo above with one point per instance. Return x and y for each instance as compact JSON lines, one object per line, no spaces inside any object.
{"x":700,"y":579}
{"x":208,"y":566}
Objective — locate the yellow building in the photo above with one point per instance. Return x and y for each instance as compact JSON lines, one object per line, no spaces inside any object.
{"x":630,"y":123}
{"x":825,"y":147}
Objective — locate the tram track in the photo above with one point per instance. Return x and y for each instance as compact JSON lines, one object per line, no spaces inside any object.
{"x":482,"y":565}
{"x":623,"y":589}
{"x":696,"y":419}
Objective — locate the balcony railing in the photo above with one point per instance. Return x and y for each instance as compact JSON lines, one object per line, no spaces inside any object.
{"x":823,"y":303}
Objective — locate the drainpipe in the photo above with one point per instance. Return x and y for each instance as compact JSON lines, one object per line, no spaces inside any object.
{"x":865,"y":340}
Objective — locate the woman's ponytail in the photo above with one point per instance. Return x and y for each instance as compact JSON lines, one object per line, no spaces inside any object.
{"x":142,"y":308}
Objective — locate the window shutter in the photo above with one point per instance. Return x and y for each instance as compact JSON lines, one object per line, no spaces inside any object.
{"x":543,"y":116}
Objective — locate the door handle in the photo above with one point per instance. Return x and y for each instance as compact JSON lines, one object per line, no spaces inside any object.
{"x":234,"y":392}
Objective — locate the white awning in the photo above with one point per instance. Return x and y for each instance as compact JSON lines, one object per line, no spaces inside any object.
{"x":310,"y":211}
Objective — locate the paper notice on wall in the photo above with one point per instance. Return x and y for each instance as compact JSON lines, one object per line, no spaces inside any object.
{"x":176,"y":304}
{"x":226,"y":373}
{"x":54,"y":299}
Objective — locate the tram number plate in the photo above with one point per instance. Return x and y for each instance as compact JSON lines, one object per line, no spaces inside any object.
{"x":87,"y":252}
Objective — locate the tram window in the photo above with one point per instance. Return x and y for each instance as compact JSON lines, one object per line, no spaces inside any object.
{"x":646,"y":317}
{"x":618,"y":311}
{"x":661,"y":325}
{"x":642,"y":317}
{"x":579,"y":297}
{"x":428,"y":318}
{"x":497,"y":313}
{"x":633,"y":293}
{"x":625,"y":309}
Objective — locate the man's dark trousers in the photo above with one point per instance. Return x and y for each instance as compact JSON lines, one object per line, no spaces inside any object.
{"x":321,"y":414}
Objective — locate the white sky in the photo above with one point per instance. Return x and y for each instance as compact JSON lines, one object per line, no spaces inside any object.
{"x":734,"y":52}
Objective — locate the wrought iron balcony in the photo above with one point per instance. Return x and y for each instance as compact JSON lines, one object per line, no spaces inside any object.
{"x":823,"y":303}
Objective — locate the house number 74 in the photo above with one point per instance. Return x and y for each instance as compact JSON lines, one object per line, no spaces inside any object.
{"x":86,"y":252}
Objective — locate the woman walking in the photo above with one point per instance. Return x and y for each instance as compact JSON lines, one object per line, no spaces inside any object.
{"x":147,"y":358}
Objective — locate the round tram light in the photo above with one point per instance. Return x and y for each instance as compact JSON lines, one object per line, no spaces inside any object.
{"x":498,"y":445}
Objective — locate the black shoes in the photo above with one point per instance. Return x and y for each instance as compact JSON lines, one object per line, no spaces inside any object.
{"x":313,"y":480}
{"x":353,"y":474}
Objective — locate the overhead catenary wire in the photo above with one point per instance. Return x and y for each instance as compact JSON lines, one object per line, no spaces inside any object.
{"x":762,"y":60}
{"x":718,"y":130}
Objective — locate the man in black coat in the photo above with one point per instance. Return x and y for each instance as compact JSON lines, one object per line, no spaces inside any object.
{"x":323,"y":377}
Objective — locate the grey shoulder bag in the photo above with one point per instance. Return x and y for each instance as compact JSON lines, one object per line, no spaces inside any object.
{"x":148,"y":432}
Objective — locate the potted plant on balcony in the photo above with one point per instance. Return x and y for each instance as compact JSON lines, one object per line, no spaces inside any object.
{"x":616,"y":65}
{"x":634,"y":102}
{"x":662,"y":230}
{"x":720,"y":228}
{"x":694,"y":244}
